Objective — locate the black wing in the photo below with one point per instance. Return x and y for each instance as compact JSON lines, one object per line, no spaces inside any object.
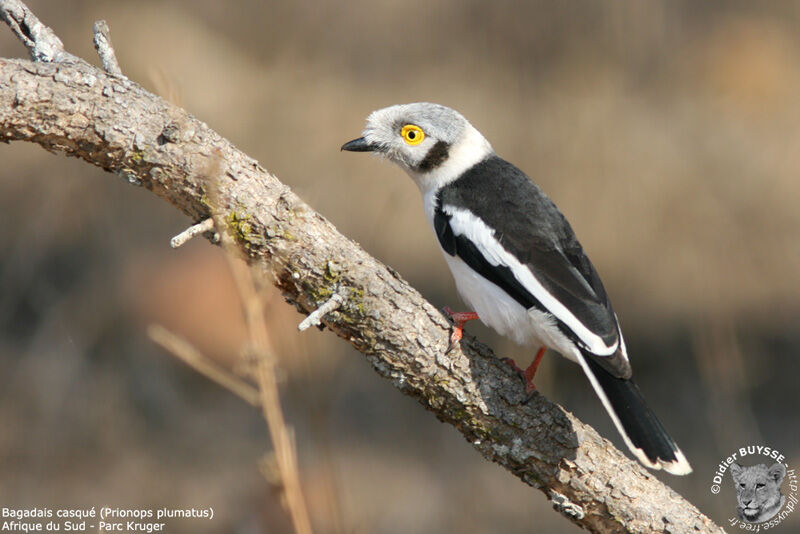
{"x":528,"y":225}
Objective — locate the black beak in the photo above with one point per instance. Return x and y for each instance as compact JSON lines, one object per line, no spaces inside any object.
{"x":359,"y":145}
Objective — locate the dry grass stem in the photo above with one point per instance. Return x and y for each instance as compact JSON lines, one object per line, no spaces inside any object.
{"x":264,"y":359}
{"x":184,"y":351}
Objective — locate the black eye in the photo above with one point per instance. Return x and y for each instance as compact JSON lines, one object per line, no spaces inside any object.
{"x":759,"y":485}
{"x":741,"y":484}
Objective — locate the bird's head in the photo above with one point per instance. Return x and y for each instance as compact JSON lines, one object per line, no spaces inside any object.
{"x":432,"y":143}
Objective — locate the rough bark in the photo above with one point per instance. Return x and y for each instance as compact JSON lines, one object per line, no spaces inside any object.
{"x":71,"y":107}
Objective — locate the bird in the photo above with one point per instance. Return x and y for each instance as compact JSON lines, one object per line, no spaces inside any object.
{"x":516,"y":261}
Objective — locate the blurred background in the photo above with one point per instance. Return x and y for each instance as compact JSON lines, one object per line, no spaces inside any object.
{"x":666,"y":131}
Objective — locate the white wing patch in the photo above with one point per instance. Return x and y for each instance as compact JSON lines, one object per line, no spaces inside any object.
{"x":463,"y":222}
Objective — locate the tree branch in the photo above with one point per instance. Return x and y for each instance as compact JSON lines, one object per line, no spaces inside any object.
{"x":76,"y":109}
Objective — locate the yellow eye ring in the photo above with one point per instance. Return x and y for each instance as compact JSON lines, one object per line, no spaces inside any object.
{"x":412,"y":134}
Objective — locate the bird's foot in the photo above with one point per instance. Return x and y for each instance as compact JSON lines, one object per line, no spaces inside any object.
{"x":528,"y":373}
{"x":459,"y":320}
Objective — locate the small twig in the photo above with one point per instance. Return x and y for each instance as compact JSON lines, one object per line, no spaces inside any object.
{"x":102,"y":43}
{"x":194,"y":230}
{"x":315,"y":317}
{"x":41,"y":41}
{"x":563,"y":505}
{"x":181,"y":348}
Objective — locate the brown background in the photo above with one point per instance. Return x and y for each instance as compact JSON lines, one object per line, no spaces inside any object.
{"x":666,"y":131}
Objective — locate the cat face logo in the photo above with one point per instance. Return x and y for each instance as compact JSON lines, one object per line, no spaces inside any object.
{"x":758,"y":491}
{"x":766,"y":490}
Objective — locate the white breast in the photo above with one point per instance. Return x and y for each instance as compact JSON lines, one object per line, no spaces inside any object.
{"x":506,"y":316}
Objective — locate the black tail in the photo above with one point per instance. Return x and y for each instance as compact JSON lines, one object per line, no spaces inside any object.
{"x":640,"y":428}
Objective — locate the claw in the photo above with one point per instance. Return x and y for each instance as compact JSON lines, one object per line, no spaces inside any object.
{"x":455,"y":337}
{"x":527,"y":375}
{"x":459,"y":319}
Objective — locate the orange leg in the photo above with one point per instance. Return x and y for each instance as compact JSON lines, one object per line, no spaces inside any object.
{"x":528,"y":374}
{"x":459,"y":320}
